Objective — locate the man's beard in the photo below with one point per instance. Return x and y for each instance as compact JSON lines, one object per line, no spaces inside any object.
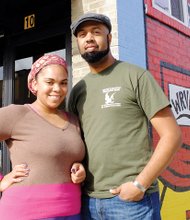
{"x":95,"y":56}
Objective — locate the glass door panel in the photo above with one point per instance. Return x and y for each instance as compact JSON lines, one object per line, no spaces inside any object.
{"x":21,"y":93}
{"x":1,"y":91}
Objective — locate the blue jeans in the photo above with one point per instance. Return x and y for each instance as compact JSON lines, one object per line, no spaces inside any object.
{"x":116,"y":209}
{"x":72,"y":217}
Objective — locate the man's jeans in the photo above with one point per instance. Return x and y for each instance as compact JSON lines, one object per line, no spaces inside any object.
{"x":116,"y":209}
{"x":72,"y":217}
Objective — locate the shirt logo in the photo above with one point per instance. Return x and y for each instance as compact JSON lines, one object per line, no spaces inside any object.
{"x":109,"y":94}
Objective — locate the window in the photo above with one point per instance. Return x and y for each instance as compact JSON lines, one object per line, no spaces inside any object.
{"x":177,"y":9}
{"x":188,"y":6}
{"x":1,"y":89}
{"x":163,"y":4}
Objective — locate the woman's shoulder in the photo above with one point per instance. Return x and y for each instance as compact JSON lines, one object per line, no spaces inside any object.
{"x":71,"y":117}
{"x":14,"y":109}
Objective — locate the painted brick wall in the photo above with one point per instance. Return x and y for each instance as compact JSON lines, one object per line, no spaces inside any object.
{"x":131,"y":32}
{"x":166,"y":44}
{"x":168,"y":56}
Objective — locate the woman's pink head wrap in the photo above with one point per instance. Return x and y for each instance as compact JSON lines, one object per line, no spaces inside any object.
{"x":40,"y":64}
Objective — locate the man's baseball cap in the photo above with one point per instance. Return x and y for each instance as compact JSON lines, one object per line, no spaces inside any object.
{"x":91,"y":17}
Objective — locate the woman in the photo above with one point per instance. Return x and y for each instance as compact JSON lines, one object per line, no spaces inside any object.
{"x":47,"y":140}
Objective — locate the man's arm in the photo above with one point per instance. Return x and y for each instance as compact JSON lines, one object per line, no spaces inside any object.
{"x":169,"y":142}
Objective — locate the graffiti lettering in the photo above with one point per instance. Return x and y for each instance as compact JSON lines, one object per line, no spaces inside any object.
{"x":182,"y":101}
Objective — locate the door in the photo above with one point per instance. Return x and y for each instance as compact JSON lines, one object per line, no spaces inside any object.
{"x":25,"y":55}
{"x":1,"y":89}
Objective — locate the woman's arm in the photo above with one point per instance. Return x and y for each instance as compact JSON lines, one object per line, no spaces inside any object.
{"x":15,"y":176}
{"x":78,"y":173}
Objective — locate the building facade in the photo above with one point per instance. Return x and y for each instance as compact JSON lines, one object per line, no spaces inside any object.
{"x":168,"y":47}
{"x":154,"y":34}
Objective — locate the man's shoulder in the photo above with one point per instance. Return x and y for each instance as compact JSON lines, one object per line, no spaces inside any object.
{"x":130,"y":71}
{"x":131,"y":66}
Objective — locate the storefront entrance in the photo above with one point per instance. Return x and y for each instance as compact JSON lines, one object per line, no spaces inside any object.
{"x":45,"y":30}
{"x":19,"y":93}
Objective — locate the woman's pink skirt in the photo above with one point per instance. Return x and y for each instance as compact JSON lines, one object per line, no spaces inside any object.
{"x":40,"y":201}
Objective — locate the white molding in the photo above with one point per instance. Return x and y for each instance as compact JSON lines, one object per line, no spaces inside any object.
{"x":169,"y":14}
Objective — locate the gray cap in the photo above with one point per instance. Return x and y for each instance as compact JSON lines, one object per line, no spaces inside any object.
{"x":91,"y":17}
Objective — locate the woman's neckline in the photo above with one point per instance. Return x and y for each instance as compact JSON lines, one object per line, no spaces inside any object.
{"x":65,"y":125}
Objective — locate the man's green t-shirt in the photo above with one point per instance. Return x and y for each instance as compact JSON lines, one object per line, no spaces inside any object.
{"x":114,"y":107}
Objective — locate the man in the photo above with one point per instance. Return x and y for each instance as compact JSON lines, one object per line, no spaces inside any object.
{"x":114,"y":103}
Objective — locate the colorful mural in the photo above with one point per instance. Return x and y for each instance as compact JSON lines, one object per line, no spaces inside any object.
{"x":168,"y":44}
{"x":175,"y":180}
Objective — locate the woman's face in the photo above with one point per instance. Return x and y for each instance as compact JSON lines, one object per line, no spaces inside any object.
{"x":51,"y":85}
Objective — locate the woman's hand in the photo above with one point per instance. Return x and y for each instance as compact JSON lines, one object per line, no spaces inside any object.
{"x":78,"y":173}
{"x":15,"y":176}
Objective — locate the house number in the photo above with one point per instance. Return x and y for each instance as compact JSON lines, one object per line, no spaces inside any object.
{"x":29,"y":21}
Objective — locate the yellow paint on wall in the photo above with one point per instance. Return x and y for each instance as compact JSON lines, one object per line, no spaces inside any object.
{"x":174,"y":204}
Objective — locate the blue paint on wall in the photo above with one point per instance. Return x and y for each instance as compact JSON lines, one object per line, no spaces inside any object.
{"x":131,"y":31}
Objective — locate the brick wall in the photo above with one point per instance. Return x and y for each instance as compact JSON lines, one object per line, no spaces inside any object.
{"x":168,"y":56}
{"x":166,"y":44}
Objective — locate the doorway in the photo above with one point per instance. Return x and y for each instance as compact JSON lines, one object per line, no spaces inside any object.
{"x":15,"y":81}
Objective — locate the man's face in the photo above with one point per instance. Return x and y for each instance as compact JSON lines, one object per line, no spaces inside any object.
{"x":93,"y":40}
